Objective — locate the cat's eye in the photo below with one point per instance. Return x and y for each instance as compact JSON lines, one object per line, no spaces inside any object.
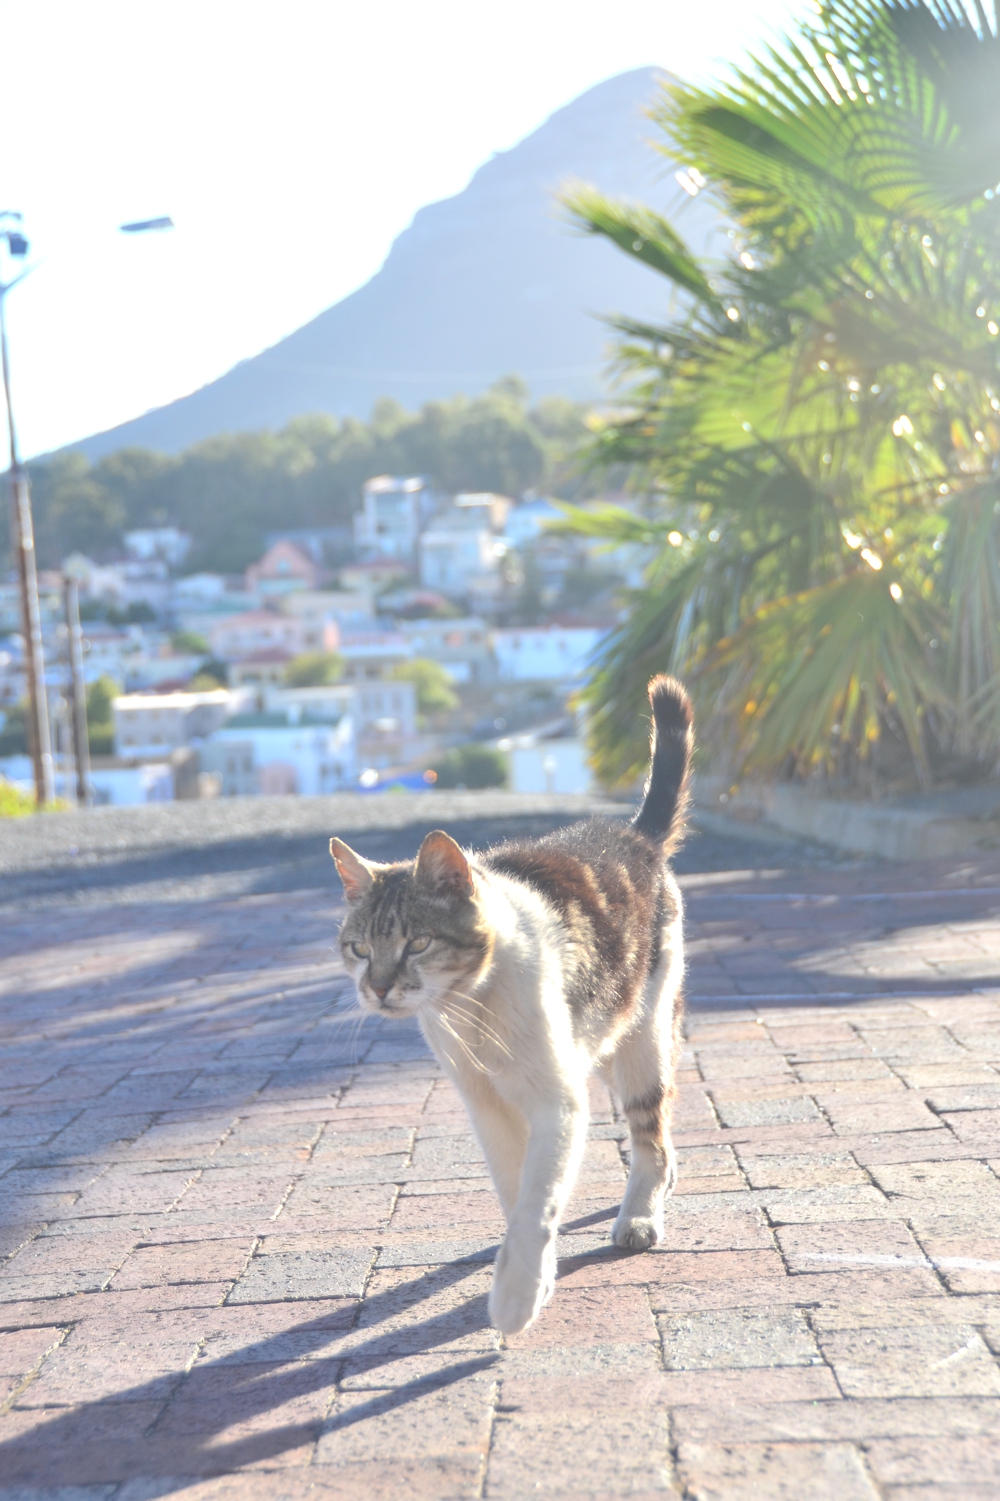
{"x":417,"y":945}
{"x":360,"y":950}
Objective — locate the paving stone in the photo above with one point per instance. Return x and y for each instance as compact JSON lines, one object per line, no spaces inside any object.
{"x":446,"y":1418}
{"x":304,"y":1274}
{"x":784,"y":1472}
{"x":914,"y":1362}
{"x":736,"y":1338}
{"x":200,"y":1261}
{"x":958,"y":1462}
{"x":757,"y":1112}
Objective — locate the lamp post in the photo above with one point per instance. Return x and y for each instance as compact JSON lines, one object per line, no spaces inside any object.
{"x":23,"y":532}
{"x":24,"y":547}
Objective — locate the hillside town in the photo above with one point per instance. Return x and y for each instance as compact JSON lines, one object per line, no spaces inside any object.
{"x":342,"y":658}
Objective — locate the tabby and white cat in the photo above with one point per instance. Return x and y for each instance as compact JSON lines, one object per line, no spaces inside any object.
{"x":529,"y":966}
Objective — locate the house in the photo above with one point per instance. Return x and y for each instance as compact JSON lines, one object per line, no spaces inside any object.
{"x":386,"y":704}
{"x":262,"y":669}
{"x":322,"y":543}
{"x":392,"y":510}
{"x":108,"y":650}
{"x":293,"y":752}
{"x":538,"y":765}
{"x":144,"y":671}
{"x":123,"y":783}
{"x":351,"y":609}
{"x":526,"y":522}
{"x":552,"y":653}
{"x":491,"y":509}
{"x":283,"y":567}
{"x":457,"y":553}
{"x":374,"y":574}
{"x":384,"y":715}
{"x":462,"y":646}
{"x":368,"y":655}
{"x":100,"y":582}
{"x":235,"y":637}
{"x":232,"y":762}
{"x":153,"y":724}
{"x":165,"y":543}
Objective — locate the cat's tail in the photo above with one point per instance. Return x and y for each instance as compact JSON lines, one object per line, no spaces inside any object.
{"x":661,"y":817}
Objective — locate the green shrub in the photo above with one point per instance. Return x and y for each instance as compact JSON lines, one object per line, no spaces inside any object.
{"x":13,"y":802}
{"x":473,"y":766}
{"x":314,"y":669}
{"x":435,"y":690}
{"x":190,"y":642}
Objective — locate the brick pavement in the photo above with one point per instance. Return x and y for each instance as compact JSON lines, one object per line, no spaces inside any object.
{"x":247,"y":1236}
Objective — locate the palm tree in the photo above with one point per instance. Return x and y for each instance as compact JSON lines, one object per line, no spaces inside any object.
{"x":817,"y":437}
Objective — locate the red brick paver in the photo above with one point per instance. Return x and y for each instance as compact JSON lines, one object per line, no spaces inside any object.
{"x":246,"y":1236}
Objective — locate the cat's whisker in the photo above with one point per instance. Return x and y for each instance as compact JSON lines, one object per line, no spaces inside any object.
{"x":477,"y":1063}
{"x":486,"y":1032}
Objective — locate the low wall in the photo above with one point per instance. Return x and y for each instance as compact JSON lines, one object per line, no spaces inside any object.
{"x":865,"y":828}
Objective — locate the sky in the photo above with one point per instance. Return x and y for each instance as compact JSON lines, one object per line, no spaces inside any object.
{"x":290,"y":143}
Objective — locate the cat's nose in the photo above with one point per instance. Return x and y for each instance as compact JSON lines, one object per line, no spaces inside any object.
{"x":381,"y":991}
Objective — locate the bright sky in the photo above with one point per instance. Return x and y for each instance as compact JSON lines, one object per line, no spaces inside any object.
{"x":290,"y":141}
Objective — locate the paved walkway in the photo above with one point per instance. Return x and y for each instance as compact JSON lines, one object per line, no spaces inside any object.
{"x":247,"y":1236}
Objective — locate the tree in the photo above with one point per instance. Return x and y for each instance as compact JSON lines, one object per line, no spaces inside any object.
{"x":817,"y":435}
{"x":314,"y":670}
{"x":14,"y":730}
{"x":100,"y":719}
{"x":435,"y":690}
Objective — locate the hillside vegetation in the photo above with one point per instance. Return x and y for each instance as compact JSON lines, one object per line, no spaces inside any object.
{"x":230,"y":491}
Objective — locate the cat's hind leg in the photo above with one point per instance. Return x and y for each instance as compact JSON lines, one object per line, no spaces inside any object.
{"x":644,"y":1065}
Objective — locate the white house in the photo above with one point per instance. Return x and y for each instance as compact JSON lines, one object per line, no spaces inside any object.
{"x":293,"y":752}
{"x":152,"y":724}
{"x":461,"y":646}
{"x":164,"y":542}
{"x":548,"y":765}
{"x":384,"y":703}
{"x":555,"y":653}
{"x":390,"y":516}
{"x":122,"y":786}
{"x":526,"y":522}
{"x":232,"y":761}
{"x":351,"y":609}
{"x":456,"y":557}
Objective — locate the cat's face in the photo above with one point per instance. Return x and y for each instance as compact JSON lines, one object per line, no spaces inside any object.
{"x":414,"y":934}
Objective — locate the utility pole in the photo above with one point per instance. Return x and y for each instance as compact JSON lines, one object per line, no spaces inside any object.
{"x":77,"y":693}
{"x":24,"y":548}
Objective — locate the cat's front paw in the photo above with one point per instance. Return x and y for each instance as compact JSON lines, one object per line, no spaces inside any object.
{"x":635,"y":1233}
{"x":520,"y":1291}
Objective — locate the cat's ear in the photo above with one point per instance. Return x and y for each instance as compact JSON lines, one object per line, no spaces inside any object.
{"x":442,"y":866}
{"x":355,"y":873}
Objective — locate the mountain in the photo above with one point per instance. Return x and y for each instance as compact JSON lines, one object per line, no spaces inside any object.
{"x":489,"y":283}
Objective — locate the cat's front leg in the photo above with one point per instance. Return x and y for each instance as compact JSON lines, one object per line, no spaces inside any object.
{"x":525,"y":1269}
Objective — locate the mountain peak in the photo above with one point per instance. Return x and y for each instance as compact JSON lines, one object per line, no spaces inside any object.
{"x":492,"y":281}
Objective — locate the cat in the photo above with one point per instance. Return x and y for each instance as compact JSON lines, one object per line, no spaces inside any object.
{"x":529,"y":966}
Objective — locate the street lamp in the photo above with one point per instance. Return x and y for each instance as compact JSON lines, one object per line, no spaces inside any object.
{"x":24,"y":536}
{"x":24,"y":545}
